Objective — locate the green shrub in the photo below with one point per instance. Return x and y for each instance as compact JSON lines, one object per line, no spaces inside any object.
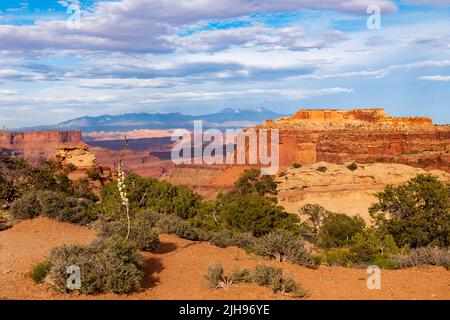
{"x":337,"y":230}
{"x":424,"y":256}
{"x":240,"y":276}
{"x":141,"y":233}
{"x":40,"y":271}
{"x":362,"y":251}
{"x":322,"y":169}
{"x":253,"y":213}
{"x":283,"y":246}
{"x":172,"y":224}
{"x":251,"y":181}
{"x":151,"y":194}
{"x":273,"y":278}
{"x":107,"y":265}
{"x":416,"y":213}
{"x":262,"y":275}
{"x":214,"y":276}
{"x":352,"y":166}
{"x":51,"y":204}
{"x":337,"y":257}
{"x":268,"y":276}
{"x":316,"y":214}
{"x":228,"y":238}
{"x":296,"y":165}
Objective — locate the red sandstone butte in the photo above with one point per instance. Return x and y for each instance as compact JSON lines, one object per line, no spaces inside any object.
{"x":364,"y":136}
{"x":36,"y":146}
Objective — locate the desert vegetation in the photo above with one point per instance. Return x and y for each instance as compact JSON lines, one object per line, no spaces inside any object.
{"x":411,"y":226}
{"x":262,"y":275}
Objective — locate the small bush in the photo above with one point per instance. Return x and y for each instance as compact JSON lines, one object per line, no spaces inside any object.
{"x":262,"y":275}
{"x":296,"y":165}
{"x":337,"y":230}
{"x":227,"y":238}
{"x":214,"y":276}
{"x":352,"y":166}
{"x":283,"y":246}
{"x":268,"y":276}
{"x":362,"y":251}
{"x":322,"y":169}
{"x":424,"y":256}
{"x":142,"y":233}
{"x":40,"y":271}
{"x":172,"y":224}
{"x":273,"y":278}
{"x":52,"y":204}
{"x":240,"y":276}
{"x":107,"y":265}
{"x":337,"y":257}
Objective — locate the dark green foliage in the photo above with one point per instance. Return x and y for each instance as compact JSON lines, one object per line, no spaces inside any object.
{"x":363,"y":251}
{"x":94,"y":175}
{"x":283,"y":246}
{"x":145,"y":193}
{"x":239,"y":275}
{"x":352,"y":166}
{"x":253,"y":213}
{"x":53,"y":205}
{"x":416,"y":213}
{"x":424,"y":256}
{"x":337,"y":257}
{"x":316,"y":214}
{"x":40,"y":271}
{"x":228,"y":238}
{"x":141,"y":234}
{"x":107,"y":265}
{"x":296,"y":165}
{"x":251,"y":181}
{"x":172,"y":224}
{"x":322,"y":169}
{"x":338,"y":229}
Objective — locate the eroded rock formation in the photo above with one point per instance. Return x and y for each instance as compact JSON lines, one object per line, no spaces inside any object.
{"x":365,"y":136}
{"x":36,"y":146}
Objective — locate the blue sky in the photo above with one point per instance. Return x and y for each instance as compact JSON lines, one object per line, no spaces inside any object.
{"x":200,"y":56}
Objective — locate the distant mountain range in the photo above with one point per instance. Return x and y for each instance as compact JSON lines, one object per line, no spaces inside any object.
{"x":226,"y":118}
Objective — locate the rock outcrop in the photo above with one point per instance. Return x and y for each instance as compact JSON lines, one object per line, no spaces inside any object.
{"x":365,"y":136}
{"x":36,"y":146}
{"x":340,"y":189}
{"x":78,"y":156}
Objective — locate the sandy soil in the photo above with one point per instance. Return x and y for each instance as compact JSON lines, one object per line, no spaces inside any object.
{"x":174,"y":272}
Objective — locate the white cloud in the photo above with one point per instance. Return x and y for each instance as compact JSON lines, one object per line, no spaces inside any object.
{"x":435,"y":78}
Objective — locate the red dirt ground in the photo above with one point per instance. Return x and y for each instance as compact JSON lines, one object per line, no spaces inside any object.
{"x":175,"y":271}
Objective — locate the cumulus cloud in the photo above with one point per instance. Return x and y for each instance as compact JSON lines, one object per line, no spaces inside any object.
{"x":150,"y":25}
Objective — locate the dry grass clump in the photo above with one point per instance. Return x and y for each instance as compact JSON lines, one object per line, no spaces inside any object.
{"x":424,"y":256}
{"x":262,"y":275}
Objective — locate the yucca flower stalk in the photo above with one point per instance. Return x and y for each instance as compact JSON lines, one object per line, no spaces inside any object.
{"x":122,"y":186}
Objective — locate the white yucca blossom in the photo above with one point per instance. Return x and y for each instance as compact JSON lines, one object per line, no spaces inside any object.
{"x":122,"y":187}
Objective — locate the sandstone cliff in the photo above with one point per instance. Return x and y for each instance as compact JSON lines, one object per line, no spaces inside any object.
{"x":340,"y":189}
{"x":365,"y":136}
{"x":36,"y":146}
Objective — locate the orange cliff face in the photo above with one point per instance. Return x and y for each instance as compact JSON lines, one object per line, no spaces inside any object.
{"x":36,"y":146}
{"x":364,"y":136}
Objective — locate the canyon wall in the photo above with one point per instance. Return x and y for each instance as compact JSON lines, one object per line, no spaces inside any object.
{"x":36,"y":146}
{"x":364,"y":136}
